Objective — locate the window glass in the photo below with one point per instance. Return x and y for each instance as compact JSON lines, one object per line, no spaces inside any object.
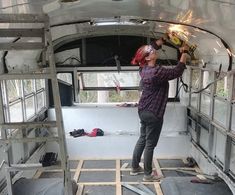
{"x":30,"y":108}
{"x":104,"y":87}
{"x":220,"y":143}
{"x":66,"y":77}
{"x":16,"y":112}
{"x":28,"y":86}
{"x":13,"y":89}
{"x":220,"y":112}
{"x":40,"y":100}
{"x":194,"y":100}
{"x":222,"y":86}
{"x":111,"y":79}
{"x":206,"y":80}
{"x":40,"y":83}
{"x":109,"y":96}
{"x":205,"y":104}
{"x":195,"y":78}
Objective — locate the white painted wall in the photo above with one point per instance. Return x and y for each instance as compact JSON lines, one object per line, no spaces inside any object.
{"x":121,"y":127}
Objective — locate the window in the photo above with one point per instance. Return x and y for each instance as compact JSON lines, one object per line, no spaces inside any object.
{"x":28,"y":86}
{"x":16,"y":93}
{"x":195,"y":87}
{"x":66,"y":77}
{"x":195,"y":79}
{"x":111,"y":79}
{"x":13,"y":89}
{"x":222,"y":86}
{"x":105,"y":87}
{"x":206,"y":79}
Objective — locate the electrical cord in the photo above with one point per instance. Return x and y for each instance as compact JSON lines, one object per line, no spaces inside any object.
{"x":185,"y":86}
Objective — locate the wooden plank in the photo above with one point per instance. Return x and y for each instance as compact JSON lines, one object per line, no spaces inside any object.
{"x":37,"y":174}
{"x":112,"y":183}
{"x":118,"y":178}
{"x":98,"y":183}
{"x":98,"y":170}
{"x":80,"y":189}
{"x":157,"y":166}
{"x":158,"y":188}
{"x":78,"y":170}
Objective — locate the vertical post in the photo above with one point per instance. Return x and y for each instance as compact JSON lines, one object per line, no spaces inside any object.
{"x":58,"y":112}
{"x":227,"y":153}
{"x":4,"y":136}
{"x":211,"y":115}
{"x":190,"y":86}
{"x":83,"y":51}
{"x":76,"y":87}
{"x":198,"y":127}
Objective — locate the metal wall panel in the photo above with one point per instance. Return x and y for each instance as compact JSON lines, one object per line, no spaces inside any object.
{"x":220,"y":141}
{"x":205,"y":104}
{"x":220,"y":112}
{"x":232,"y":159}
{"x":233,"y":119}
{"x":204,"y":138}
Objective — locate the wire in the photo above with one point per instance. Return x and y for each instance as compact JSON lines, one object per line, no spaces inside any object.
{"x":70,"y":58}
{"x":185,"y":86}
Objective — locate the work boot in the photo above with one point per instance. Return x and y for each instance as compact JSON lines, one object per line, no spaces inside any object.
{"x":152,"y":178}
{"x":136,"y":171}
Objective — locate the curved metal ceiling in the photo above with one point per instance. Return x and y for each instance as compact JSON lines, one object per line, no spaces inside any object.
{"x":215,"y":16}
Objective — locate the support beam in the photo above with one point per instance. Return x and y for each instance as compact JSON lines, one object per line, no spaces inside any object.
{"x":23,"y":18}
{"x":25,"y":76}
{"x":21,"y":32}
{"x":21,"y":46}
{"x":22,"y":125}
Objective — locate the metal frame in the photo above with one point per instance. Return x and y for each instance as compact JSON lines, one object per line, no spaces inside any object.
{"x":215,"y":126}
{"x":47,"y":73}
{"x":58,"y":112}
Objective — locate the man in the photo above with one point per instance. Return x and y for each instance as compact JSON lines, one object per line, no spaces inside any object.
{"x":152,"y":104}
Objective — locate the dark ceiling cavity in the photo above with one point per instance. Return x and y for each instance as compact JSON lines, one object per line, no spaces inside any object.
{"x":67,"y":1}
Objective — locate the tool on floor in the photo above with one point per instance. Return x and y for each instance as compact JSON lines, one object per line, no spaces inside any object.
{"x":202,"y":181}
{"x":48,"y":159}
{"x":212,"y":177}
{"x":145,"y":188}
{"x":125,"y":165}
{"x":136,"y":190}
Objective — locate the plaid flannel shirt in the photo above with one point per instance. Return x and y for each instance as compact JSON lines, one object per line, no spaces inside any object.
{"x":155,"y":87}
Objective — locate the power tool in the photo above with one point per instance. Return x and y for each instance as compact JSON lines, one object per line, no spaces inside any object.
{"x":178,"y":42}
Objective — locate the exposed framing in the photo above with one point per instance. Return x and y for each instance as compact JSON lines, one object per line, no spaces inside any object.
{"x":117,"y":170}
{"x":214,"y":125}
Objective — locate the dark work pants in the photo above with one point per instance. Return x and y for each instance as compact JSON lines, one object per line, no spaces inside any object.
{"x":149,"y":134}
